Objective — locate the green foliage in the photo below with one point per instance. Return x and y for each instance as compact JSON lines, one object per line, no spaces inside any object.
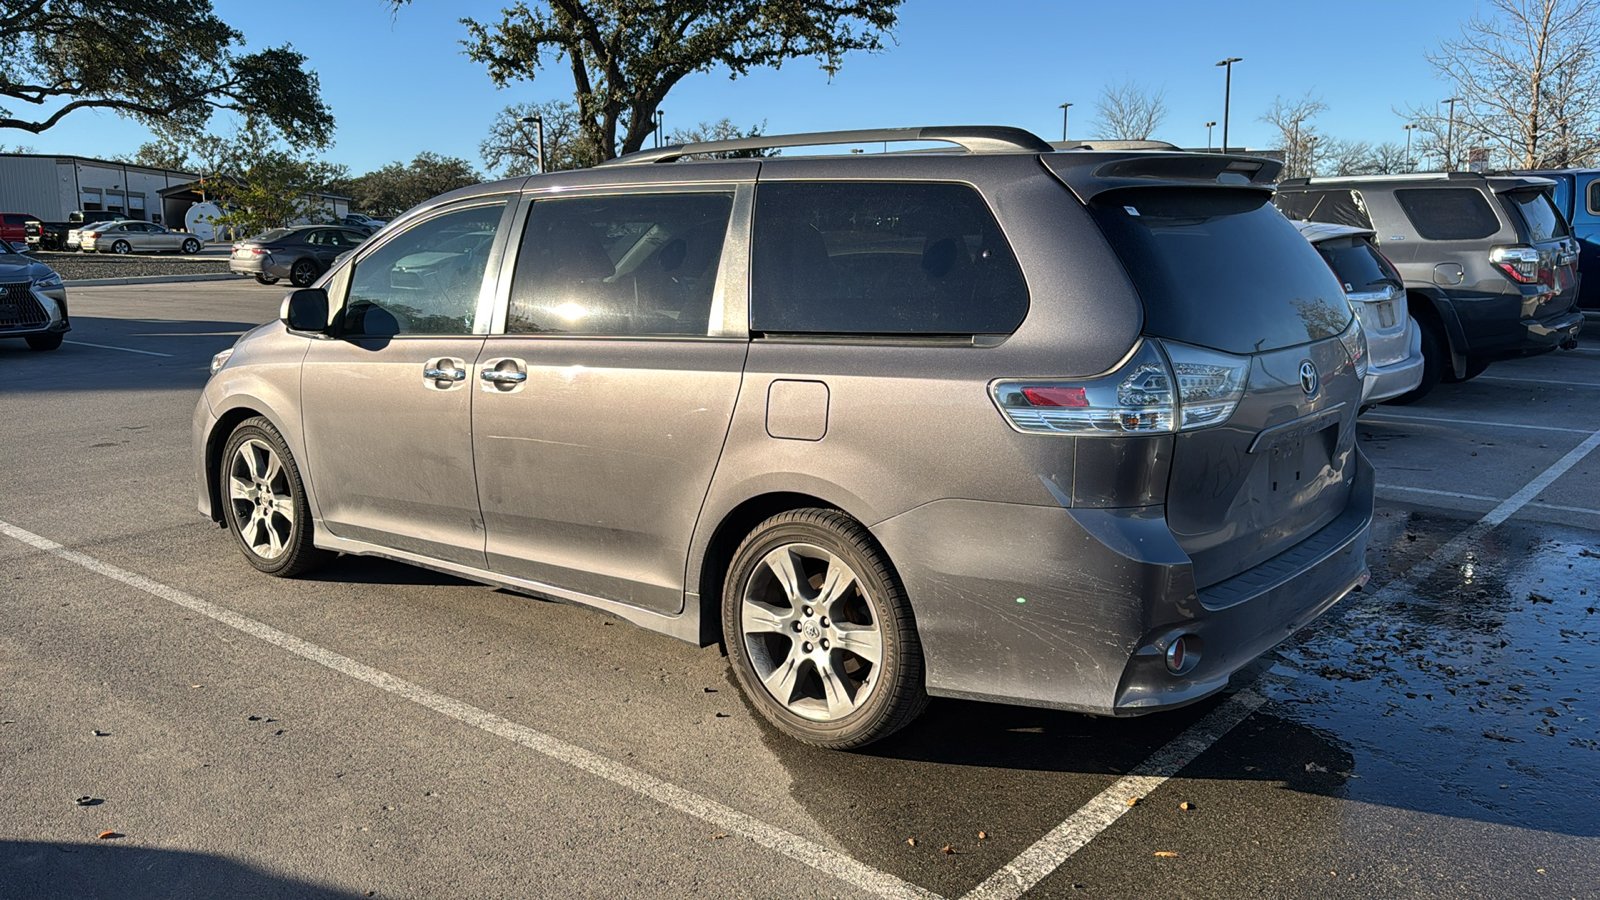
{"x":625,"y":55}
{"x":274,"y":188}
{"x":723,"y":130}
{"x":397,"y":187}
{"x":165,"y":63}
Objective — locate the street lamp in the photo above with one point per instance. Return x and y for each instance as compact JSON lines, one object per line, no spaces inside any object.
{"x":660,"y":116}
{"x":1227,"y":92}
{"x":1209,"y":126}
{"x":1408,"y":128}
{"x":539,"y":122}
{"x":1064,"y":108}
{"x":1450,"y":133}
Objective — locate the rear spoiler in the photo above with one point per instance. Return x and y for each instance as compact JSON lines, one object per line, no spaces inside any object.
{"x":1090,"y":173}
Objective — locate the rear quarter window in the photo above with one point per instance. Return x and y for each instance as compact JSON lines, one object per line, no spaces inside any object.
{"x":1538,"y":214}
{"x":1341,"y":207}
{"x":1448,"y":214}
{"x":881,"y":258}
{"x":1221,"y":268}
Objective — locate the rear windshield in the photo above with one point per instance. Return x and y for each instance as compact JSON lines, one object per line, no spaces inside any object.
{"x":1448,"y":214}
{"x":1358,"y":264}
{"x":1538,"y":213}
{"x":1221,"y":268}
{"x":1334,"y":207}
{"x":268,"y":237}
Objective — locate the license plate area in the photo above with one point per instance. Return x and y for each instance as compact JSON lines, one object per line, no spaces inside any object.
{"x":1292,"y":462}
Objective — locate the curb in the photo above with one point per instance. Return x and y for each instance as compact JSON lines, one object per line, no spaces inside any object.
{"x":152,"y":279}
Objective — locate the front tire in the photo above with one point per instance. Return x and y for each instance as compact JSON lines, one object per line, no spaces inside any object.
{"x":819,"y":631}
{"x":304,"y":272}
{"x":44,"y":341}
{"x":264,"y":501}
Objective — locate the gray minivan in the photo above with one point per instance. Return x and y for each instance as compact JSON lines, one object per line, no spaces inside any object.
{"x":1066,"y":429}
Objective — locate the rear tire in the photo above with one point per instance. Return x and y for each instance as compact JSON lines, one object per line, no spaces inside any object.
{"x":1435,"y":360}
{"x":44,"y":341}
{"x":819,"y":631}
{"x":122,"y":247}
{"x":267,"y":279}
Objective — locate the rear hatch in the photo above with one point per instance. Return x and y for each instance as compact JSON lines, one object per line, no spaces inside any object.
{"x":1548,"y":254}
{"x":1219,"y":268}
{"x":1376,"y":292}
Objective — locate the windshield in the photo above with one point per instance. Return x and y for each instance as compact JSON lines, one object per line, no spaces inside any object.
{"x":1357,"y":263}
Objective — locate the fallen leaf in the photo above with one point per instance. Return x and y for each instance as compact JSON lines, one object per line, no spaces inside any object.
{"x":1186,"y":806}
{"x":911,"y":841}
{"x":1167,"y":853}
{"x":1313,"y":767}
{"x":982,"y":836}
{"x":1133,"y":801}
{"x":108,"y":835}
{"x":948,"y":850}
{"x":98,"y":733}
{"x":719,"y":836}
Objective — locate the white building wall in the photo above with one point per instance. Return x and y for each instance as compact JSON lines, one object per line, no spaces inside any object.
{"x":28,"y":184}
{"x":53,"y":187}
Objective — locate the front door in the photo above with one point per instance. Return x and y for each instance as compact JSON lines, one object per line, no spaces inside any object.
{"x":602,"y":409}
{"x":387,"y":402}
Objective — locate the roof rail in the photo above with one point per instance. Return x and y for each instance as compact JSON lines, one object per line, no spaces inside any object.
{"x":971,"y":138}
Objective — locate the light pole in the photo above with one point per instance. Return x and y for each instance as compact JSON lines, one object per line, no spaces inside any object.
{"x":1064,"y":108}
{"x":1209,"y":126}
{"x":1450,"y":134}
{"x":660,"y":117}
{"x":1408,"y":128}
{"x":538,"y":122}
{"x":1227,"y":94}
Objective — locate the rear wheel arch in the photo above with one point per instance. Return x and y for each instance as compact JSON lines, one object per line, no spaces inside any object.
{"x":1433,"y":309}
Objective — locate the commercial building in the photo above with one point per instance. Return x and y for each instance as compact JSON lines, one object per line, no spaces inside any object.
{"x":51,"y":187}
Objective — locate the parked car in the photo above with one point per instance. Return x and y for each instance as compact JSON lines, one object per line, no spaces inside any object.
{"x":75,"y":236}
{"x":33,"y":300}
{"x":1489,"y":265}
{"x":53,"y":235}
{"x":13,"y":228}
{"x":1378,"y":296}
{"x":364,"y":222}
{"x":131,"y":236}
{"x":1067,"y":429}
{"x":1577,"y":197}
{"x":299,"y":253}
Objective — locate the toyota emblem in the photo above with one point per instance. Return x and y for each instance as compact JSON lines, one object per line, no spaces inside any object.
{"x":1308,"y":378}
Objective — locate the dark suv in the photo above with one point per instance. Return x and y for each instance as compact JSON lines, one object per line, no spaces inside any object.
{"x":1067,"y":429}
{"x":1490,"y":267}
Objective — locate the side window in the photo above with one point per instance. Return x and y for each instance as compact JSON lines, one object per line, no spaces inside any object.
{"x":881,"y":258}
{"x":626,"y":264}
{"x":427,"y":279}
{"x":1448,"y":214}
{"x":1594,"y":196}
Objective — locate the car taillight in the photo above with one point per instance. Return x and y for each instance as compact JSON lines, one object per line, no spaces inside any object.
{"x":1519,"y":263}
{"x":1163,"y":388}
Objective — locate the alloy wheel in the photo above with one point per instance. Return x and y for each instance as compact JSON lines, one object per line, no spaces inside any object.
{"x":262,"y":498}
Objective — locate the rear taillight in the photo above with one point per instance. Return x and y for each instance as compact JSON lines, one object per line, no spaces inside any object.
{"x":1164,"y":387}
{"x":1519,"y":263}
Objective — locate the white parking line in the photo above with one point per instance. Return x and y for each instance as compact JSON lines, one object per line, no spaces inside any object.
{"x":1051,"y":851}
{"x":722,"y":817}
{"x":1440,"y":420}
{"x":123,"y":349}
{"x":1546,"y":382}
{"x":1386,"y":488}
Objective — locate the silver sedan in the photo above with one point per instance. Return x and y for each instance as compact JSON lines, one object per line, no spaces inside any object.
{"x":136,"y":237}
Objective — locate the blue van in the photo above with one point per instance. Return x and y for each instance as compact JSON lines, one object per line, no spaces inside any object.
{"x":1577,"y":196}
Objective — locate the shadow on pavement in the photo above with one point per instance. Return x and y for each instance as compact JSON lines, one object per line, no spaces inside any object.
{"x":31,"y":870}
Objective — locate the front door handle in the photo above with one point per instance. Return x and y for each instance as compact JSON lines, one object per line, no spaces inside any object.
{"x":496,"y":376}
{"x":440,"y":374}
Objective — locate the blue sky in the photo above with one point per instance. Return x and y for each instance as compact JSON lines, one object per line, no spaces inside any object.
{"x":400,"y":85}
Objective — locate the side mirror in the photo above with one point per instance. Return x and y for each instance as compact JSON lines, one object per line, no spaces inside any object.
{"x":306,"y":310}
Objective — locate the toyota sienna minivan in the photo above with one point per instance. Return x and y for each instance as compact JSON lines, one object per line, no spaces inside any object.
{"x":1071,"y":429}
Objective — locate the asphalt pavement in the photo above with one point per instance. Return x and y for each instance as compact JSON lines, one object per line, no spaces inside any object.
{"x":380,"y":730}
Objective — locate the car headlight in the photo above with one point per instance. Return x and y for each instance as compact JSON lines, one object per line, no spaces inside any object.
{"x":220,"y":360}
{"x":49,"y":282}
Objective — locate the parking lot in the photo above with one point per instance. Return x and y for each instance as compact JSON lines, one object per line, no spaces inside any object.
{"x":381,"y":730}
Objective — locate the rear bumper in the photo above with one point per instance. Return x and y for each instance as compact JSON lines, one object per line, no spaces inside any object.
{"x":1073,"y":608}
{"x":1384,"y":382}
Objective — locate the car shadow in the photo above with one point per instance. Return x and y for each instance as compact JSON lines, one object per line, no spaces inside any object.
{"x":38,"y":870}
{"x":172,"y":355}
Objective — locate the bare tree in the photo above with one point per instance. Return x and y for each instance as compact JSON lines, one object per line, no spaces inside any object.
{"x":1296,"y":134}
{"x":512,"y":147}
{"x":723,"y":130}
{"x":1527,"y":83}
{"x":1129,"y":112}
{"x":1388,"y":158}
{"x":1342,"y":157}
